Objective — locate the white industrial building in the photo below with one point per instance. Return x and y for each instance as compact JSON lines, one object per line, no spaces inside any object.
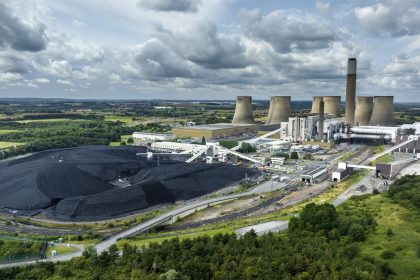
{"x":148,"y":136}
{"x":304,"y":129}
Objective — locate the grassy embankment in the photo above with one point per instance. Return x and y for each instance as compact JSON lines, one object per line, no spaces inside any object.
{"x":383,"y":159}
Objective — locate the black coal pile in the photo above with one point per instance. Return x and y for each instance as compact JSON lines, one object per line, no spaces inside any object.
{"x":77,"y":183}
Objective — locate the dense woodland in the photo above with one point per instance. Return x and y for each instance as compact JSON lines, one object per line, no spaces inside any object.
{"x":321,"y":244}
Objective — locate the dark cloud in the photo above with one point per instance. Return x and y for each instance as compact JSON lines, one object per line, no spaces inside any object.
{"x":12,"y":63}
{"x":19,"y":36}
{"x":287,"y":31}
{"x":189,"y":6}
{"x":156,"y":60}
{"x":205,"y":46}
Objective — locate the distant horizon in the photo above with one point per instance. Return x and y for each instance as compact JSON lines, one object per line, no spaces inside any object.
{"x":159,"y":99}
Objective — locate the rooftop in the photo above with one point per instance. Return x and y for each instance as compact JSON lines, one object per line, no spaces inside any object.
{"x":216,"y":126}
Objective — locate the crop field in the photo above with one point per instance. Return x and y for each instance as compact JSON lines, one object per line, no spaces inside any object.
{"x":48,"y":120}
{"x":124,"y":119}
{"x":6,"y":145}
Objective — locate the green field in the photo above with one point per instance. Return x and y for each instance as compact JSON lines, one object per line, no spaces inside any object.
{"x":158,"y":238}
{"x":50,"y":120}
{"x":5,"y":145}
{"x":6,"y":131}
{"x":61,"y":249}
{"x":404,"y":240}
{"x":124,"y":119}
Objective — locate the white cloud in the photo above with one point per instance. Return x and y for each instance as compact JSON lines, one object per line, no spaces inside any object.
{"x":9,"y":77}
{"x":78,"y":23}
{"x":64,"y":82}
{"x":323,"y":7}
{"x":42,"y":80}
{"x":390,"y":18}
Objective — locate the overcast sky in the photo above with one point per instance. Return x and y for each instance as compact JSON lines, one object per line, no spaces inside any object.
{"x":207,"y":49}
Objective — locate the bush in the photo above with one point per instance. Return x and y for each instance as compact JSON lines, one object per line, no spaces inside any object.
{"x":375,"y":191}
{"x":130,"y":140}
{"x":388,"y":255}
{"x":389,"y":232}
{"x":294,"y":155}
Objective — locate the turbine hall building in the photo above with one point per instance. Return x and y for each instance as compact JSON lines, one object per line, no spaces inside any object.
{"x":215,"y":131}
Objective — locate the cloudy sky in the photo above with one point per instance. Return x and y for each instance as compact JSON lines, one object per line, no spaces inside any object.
{"x":207,"y":49}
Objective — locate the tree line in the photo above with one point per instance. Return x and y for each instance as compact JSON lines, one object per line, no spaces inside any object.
{"x":321,"y":244}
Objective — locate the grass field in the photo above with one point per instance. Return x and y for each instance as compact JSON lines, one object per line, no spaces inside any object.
{"x":404,"y":240}
{"x":61,"y":249}
{"x":113,"y":118}
{"x":6,"y":131}
{"x":123,"y":138}
{"x":159,"y":238}
{"x":5,"y":145}
{"x":50,"y":120}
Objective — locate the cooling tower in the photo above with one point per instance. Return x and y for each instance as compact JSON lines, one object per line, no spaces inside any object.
{"x":383,"y":111}
{"x":332,"y":105}
{"x":364,"y":106}
{"x":270,"y":111}
{"x":315,"y":104}
{"x":281,"y":110}
{"x":243,"y":111}
{"x":351,"y":91}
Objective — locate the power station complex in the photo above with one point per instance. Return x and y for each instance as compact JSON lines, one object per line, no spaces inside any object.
{"x":365,"y":117}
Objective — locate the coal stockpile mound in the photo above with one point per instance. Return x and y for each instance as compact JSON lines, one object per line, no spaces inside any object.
{"x":83,"y":183}
{"x":40,"y":180}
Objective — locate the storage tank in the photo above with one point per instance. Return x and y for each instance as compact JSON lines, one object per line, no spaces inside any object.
{"x":351,"y":91}
{"x":243,"y":111}
{"x":281,"y":110}
{"x":315,"y":104}
{"x":383,"y":111}
{"x":270,"y":111}
{"x":364,"y":106}
{"x":332,"y":105}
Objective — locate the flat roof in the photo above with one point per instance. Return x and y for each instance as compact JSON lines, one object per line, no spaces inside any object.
{"x":216,"y":126}
{"x":313,"y":171}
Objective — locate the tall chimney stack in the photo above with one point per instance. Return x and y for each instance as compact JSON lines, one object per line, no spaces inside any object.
{"x":321,"y":121}
{"x":351,"y":91}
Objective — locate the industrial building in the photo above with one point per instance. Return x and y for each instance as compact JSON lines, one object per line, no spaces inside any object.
{"x":309,"y":128}
{"x":148,"y":136}
{"x":314,"y":175}
{"x":215,"y":131}
{"x":243,"y":111}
